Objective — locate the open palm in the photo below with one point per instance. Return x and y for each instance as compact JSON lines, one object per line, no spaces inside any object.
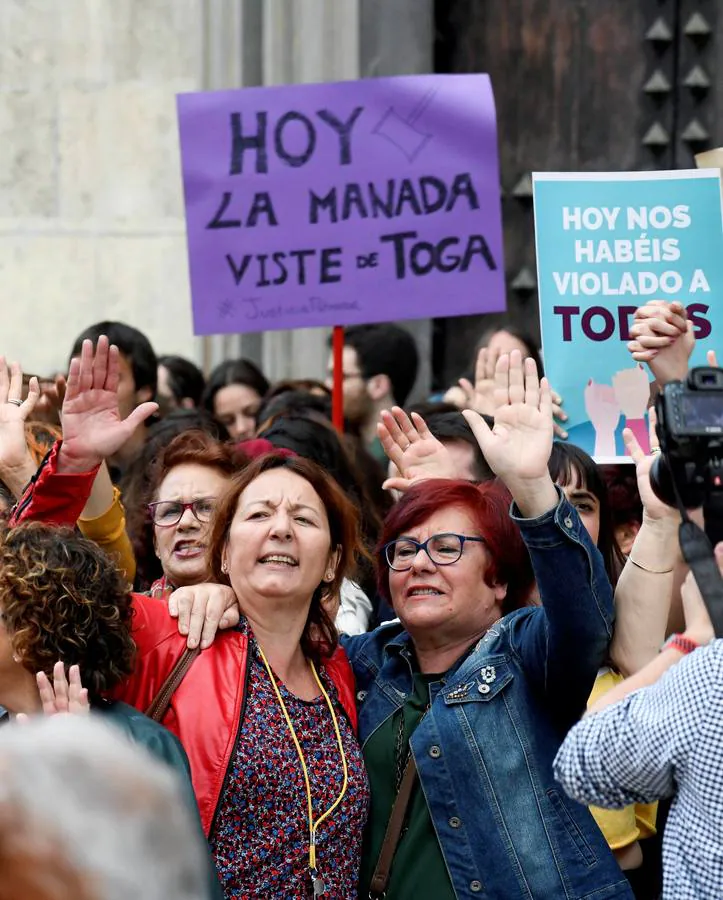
{"x":518,"y":447}
{"x":92,"y":426}
{"x":414,"y":450}
{"x":13,"y":414}
{"x":63,"y":694}
{"x":654,"y":507}
{"x":480,"y":396}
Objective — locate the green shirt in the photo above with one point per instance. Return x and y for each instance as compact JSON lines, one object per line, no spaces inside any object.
{"x":376,"y":450}
{"x":418,"y":870}
{"x":166,"y":748}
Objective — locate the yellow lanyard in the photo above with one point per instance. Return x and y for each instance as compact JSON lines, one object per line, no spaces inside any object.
{"x":317,"y":882}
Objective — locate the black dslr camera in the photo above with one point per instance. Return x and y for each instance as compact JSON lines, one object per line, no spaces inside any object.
{"x":689,"y":470}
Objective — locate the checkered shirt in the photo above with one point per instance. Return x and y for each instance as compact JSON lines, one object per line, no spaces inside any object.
{"x":662,"y":741}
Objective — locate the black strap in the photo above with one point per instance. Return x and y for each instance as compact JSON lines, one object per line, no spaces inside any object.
{"x":162,"y":700}
{"x":698,"y":553}
{"x":383,"y":868}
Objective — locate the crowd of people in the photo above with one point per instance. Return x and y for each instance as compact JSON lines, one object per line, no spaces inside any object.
{"x":243,"y":654}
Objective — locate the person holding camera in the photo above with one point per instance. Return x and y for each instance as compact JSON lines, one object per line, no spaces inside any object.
{"x":658,"y":735}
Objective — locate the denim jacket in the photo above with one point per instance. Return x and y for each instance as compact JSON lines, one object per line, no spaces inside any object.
{"x":484,"y":751}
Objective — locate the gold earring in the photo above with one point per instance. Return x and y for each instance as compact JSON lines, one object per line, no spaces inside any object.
{"x":224,"y":568}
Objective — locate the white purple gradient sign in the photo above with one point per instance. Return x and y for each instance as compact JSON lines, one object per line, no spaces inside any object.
{"x":337,"y":204}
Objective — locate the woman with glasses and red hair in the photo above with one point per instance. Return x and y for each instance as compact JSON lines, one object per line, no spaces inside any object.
{"x":464,"y":701}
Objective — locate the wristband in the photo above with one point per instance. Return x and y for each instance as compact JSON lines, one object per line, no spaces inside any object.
{"x":680,"y":643}
{"x":649,"y":571}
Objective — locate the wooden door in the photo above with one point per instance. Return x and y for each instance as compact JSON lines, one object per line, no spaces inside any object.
{"x":580,"y":85}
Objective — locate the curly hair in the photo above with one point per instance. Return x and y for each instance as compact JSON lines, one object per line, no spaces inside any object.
{"x":63,"y":598}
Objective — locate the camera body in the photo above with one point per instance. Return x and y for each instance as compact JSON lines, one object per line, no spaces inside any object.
{"x":690,"y":431}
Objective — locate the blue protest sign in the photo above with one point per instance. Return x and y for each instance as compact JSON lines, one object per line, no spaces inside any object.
{"x":606,"y":244}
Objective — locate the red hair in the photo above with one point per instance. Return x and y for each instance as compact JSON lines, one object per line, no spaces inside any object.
{"x":488,"y":505}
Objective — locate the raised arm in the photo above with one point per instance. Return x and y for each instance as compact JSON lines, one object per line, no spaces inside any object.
{"x":644,"y":589}
{"x":634,"y":742}
{"x":662,"y":336}
{"x":518,"y":447}
{"x":92,"y":431}
{"x":17,"y":466}
{"x":413,"y":449}
{"x":92,"y":427}
{"x":562,"y":649}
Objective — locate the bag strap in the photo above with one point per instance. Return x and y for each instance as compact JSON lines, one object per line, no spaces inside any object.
{"x":162,"y":700}
{"x":380,"y":879}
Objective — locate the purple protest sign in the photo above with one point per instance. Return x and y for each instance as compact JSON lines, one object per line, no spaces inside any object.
{"x":337,"y":204}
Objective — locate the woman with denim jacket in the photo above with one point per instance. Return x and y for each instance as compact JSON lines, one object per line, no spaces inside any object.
{"x":477,"y":687}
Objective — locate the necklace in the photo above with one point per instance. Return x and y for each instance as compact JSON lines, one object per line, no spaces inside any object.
{"x":317,"y":882}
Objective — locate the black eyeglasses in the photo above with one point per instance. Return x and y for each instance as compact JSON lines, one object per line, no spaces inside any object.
{"x":443,"y":549}
{"x":170,"y":512}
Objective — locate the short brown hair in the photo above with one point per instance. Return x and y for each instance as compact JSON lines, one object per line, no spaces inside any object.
{"x":63,"y":598}
{"x":320,"y":637}
{"x":191,"y":447}
{"x":195,"y":447}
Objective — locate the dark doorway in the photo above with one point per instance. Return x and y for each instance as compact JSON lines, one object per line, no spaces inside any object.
{"x":580,"y":85}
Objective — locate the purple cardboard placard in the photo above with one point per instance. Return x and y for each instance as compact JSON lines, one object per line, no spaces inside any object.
{"x":337,"y":204}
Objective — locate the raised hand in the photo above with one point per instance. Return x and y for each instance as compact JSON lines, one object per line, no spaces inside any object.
{"x":64,"y":695}
{"x":518,"y":447}
{"x":16,"y":464}
{"x":414,"y":450}
{"x":92,"y":427}
{"x":653,"y":508}
{"x":662,"y":336}
{"x":558,"y":413}
{"x":480,"y":396}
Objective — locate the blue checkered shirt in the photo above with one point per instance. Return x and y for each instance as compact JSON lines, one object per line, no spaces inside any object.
{"x":662,"y":741}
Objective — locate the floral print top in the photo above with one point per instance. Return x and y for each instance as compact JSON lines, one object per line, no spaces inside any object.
{"x":260,"y":839}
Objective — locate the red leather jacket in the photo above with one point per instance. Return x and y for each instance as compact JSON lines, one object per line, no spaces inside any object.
{"x":207,"y":709}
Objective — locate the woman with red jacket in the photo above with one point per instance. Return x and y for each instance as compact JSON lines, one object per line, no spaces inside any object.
{"x":266,"y":714}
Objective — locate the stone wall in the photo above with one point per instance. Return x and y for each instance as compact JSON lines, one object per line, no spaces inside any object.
{"x":91,"y":218}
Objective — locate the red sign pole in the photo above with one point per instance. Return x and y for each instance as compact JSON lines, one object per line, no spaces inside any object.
{"x":337,"y":393}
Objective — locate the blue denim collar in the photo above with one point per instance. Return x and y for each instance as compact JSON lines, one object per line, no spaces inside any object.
{"x":399,"y":644}
{"x":402,"y":646}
